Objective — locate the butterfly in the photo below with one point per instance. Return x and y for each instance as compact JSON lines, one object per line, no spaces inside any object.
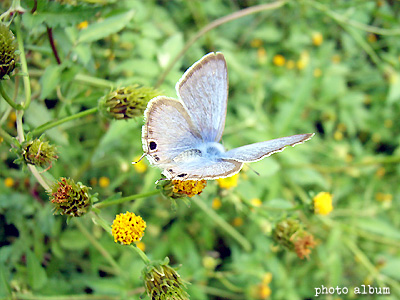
{"x":182,"y":136}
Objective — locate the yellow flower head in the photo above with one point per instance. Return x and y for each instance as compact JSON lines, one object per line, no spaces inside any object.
{"x":229,"y":182}
{"x":216,"y":203}
{"x":83,"y":25}
{"x":279,"y":60}
{"x":8,"y":182}
{"x":128,"y":228}
{"x":256,"y":202}
{"x":189,"y":188}
{"x":382,"y":197}
{"x":323,"y":203}
{"x":104,"y":182}
{"x":303,"y":61}
{"x":140,"y":166}
{"x":317,"y":38}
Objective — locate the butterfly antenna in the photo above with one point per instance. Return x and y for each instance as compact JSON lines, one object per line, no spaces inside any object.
{"x":135,"y":162}
{"x":252,"y":169}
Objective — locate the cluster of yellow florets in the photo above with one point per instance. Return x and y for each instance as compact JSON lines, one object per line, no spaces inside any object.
{"x":189,"y":187}
{"x":323,"y":203}
{"x":128,"y":228}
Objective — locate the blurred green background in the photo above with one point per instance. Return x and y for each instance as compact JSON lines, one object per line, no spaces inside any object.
{"x":329,"y":67}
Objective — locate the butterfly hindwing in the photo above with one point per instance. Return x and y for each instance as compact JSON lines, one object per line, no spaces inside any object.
{"x":203,"y":168}
{"x":257,"y":151}
{"x":204,"y":91}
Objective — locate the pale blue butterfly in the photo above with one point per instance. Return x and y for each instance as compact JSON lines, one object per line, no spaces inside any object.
{"x":182,"y":136}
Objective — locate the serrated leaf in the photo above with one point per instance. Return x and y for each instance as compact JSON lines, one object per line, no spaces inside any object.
{"x":102,"y":29}
{"x":37,"y":276}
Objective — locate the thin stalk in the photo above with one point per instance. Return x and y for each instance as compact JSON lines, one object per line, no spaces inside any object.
{"x":214,"y":24}
{"x":24,"y":66}
{"x":125,"y":199}
{"x":8,"y":99}
{"x":142,"y":255}
{"x":51,"y":124}
{"x":98,"y":246}
{"x":223,"y":225}
{"x":8,"y":138}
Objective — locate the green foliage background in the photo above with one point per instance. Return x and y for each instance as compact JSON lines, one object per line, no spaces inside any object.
{"x":351,"y":103}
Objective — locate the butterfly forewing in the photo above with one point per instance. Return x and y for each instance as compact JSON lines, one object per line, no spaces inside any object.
{"x":204,"y":91}
{"x":257,"y":151}
{"x":168,"y":130}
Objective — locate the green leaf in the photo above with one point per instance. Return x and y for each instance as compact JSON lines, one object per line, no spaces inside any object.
{"x":37,"y":276}
{"x":102,"y":29}
{"x":54,"y":14}
{"x":50,"y":80}
{"x":73,"y":240}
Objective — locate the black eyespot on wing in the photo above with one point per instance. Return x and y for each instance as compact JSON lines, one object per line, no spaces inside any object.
{"x":156,"y":158}
{"x":182,"y":175}
{"x":153,"y":145}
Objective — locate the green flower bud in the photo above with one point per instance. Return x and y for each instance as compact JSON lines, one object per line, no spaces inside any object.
{"x":127,"y":103}
{"x":163,"y":283}
{"x":7,"y":51}
{"x":70,"y":198}
{"x":39,"y":153}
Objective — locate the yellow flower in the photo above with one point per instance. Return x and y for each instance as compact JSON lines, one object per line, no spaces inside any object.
{"x":256,"y":202}
{"x":104,"y":181}
{"x":229,"y":182}
{"x":290,"y":64}
{"x":338,"y":135}
{"x":323,"y":203}
{"x":317,"y":72}
{"x":216,"y":203}
{"x":382,"y":197}
{"x":83,"y":25}
{"x":303,"y":61}
{"x":189,"y":187}
{"x":8,"y":182}
{"x":317,"y":39}
{"x":279,"y":60}
{"x":267,"y":278}
{"x":140,"y":166}
{"x":128,"y":228}
{"x":264,"y":291}
{"x":238,"y":221}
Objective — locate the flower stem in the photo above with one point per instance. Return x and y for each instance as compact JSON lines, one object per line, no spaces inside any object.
{"x":97,"y":245}
{"x":97,"y":82}
{"x":8,"y":99}
{"x":51,"y":124}
{"x":224,"y":225}
{"x":142,"y":255}
{"x":8,"y":138}
{"x":212,"y":25}
{"x":24,"y":66}
{"x":125,"y":199}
